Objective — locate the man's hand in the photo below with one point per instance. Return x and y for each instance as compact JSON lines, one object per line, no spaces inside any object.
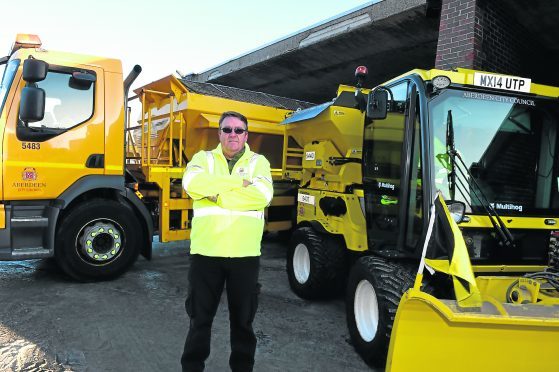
{"x":246,"y":183}
{"x":213,"y":198}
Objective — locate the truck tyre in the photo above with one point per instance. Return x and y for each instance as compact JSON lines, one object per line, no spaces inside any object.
{"x":98,"y":239}
{"x":316,"y":264}
{"x":374,"y":290}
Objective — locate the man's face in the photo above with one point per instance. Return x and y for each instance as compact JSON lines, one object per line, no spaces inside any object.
{"x":232,"y":143}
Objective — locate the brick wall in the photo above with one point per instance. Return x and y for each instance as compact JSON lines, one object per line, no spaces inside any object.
{"x":483,"y":35}
{"x":458,"y":40}
{"x":503,"y":41}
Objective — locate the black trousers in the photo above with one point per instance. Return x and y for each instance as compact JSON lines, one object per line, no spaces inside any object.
{"x":207,"y":277}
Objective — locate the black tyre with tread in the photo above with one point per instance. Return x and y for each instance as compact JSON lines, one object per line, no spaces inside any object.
{"x":386,"y":282}
{"x":114,"y":245}
{"x":325,"y":261}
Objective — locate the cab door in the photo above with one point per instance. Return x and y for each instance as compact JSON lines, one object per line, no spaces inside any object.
{"x":392,"y":175}
{"x":43,"y":160}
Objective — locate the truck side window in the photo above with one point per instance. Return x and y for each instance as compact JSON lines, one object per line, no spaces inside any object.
{"x":7,"y":78}
{"x":67,"y":104}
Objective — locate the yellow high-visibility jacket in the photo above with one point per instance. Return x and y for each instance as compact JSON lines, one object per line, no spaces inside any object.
{"x":233,"y":225}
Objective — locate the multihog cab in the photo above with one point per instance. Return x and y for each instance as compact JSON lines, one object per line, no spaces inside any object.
{"x":447,"y":234}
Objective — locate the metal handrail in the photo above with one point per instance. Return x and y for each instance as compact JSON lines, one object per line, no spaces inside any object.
{"x":147,"y":119}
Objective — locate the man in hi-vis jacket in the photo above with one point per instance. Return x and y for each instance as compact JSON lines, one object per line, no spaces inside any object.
{"x":231,"y":186}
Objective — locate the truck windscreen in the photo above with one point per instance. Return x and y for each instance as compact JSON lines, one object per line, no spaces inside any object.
{"x":7,"y":79}
{"x":509,"y":144}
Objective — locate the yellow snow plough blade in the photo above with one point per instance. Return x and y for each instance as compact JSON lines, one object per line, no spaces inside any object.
{"x":437,"y":335}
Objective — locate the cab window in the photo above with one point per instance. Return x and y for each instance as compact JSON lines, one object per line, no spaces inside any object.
{"x":68,"y":102}
{"x":382,"y":157}
{"x":7,"y":78}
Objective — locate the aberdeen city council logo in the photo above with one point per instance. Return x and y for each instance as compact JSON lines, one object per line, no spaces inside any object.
{"x":29,"y":174}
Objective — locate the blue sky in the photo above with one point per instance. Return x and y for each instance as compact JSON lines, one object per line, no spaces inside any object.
{"x":164,"y":35}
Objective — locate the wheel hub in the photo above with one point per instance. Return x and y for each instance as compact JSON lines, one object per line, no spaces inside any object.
{"x":301,"y":263}
{"x":100,"y":241}
{"x":366,"y":312}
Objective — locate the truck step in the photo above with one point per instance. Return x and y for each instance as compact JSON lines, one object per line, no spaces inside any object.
{"x":32,"y":252}
{"x":31,"y":221}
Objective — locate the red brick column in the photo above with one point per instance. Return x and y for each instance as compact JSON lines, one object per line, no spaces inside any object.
{"x":482,"y":35}
{"x":459,"y":35}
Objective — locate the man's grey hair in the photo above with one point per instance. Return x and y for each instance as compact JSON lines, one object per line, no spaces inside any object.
{"x":234,"y":114}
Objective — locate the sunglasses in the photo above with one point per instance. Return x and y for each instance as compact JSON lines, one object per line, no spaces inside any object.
{"x":229,"y":130}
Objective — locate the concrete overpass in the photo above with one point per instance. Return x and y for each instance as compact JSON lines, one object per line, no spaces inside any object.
{"x":393,"y":36}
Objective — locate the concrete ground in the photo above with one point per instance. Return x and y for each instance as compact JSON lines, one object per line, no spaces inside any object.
{"x":137,"y":322}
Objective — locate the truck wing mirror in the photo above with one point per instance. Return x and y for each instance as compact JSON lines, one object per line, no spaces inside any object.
{"x":82,"y":80}
{"x":34,"y":70}
{"x":32,"y":105}
{"x":377,"y":103}
{"x":457,"y":210}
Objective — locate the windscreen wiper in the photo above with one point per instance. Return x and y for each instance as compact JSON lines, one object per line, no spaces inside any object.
{"x":502,"y":231}
{"x":450,"y":149}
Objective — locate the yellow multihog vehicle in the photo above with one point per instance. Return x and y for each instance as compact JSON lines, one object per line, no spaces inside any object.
{"x":440,"y":193}
{"x":71,"y":188}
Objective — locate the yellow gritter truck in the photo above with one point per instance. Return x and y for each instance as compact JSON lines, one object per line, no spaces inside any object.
{"x":83,"y":184}
{"x":434,"y":201}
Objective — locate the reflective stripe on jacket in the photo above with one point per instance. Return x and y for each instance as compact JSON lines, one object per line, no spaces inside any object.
{"x":232,"y":226}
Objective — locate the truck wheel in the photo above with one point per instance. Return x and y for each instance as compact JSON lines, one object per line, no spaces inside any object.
{"x":98,"y":239}
{"x":375,"y":287}
{"x":316,"y":264}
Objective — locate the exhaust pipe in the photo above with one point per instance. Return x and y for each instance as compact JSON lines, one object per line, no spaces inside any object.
{"x":127,"y":83}
{"x":131,"y":77}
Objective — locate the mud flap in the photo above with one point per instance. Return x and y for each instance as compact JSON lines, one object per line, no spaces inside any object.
{"x":437,"y":335}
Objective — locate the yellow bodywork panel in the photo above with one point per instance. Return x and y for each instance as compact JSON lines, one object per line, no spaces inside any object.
{"x":162,"y":176}
{"x":44,"y":170}
{"x":507,"y":268}
{"x":351,"y":225}
{"x":324,"y":154}
{"x":114,"y":127}
{"x":513,"y":324}
{"x":432,"y":334}
{"x":512,"y":222}
{"x":70,"y":59}
{"x":342,"y":126}
{"x":466,"y":77}
{"x":2,"y":217}
{"x":323,"y":173}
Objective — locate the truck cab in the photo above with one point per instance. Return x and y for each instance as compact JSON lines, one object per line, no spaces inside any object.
{"x":505,"y":141}
{"x":62,"y":143}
